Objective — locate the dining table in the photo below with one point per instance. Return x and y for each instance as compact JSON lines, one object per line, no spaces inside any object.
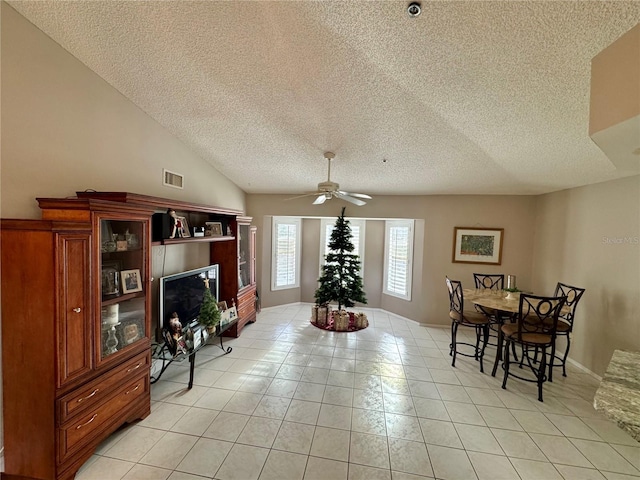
{"x":505,"y":304}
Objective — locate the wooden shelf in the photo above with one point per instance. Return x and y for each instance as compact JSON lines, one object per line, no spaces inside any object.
{"x":172,"y":241}
{"x":122,"y":298}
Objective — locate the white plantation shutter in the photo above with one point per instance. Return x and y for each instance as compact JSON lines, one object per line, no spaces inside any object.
{"x":358,"y":237}
{"x":285,"y":266}
{"x":398,"y":258}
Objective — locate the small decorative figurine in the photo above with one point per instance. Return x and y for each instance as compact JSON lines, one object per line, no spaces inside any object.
{"x":176,"y":224}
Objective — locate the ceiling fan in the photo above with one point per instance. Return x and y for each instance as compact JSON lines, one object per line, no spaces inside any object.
{"x":329,"y":189}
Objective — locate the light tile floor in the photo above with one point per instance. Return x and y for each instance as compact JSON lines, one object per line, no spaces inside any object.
{"x":295,"y":402}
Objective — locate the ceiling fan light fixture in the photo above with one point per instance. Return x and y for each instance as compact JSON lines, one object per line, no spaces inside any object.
{"x":327,"y":190}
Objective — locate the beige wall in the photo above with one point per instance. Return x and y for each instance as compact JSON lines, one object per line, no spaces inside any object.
{"x":64,"y":129}
{"x":590,"y":237}
{"x":615,"y":76}
{"x":435,"y":216}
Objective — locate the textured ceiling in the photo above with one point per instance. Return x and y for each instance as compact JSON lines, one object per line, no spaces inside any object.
{"x":469,"y":98}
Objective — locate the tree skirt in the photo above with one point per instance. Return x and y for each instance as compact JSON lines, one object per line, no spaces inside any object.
{"x":356,"y":322}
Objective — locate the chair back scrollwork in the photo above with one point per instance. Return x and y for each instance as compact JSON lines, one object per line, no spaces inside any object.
{"x":573,"y":295}
{"x":456,"y":300}
{"x":489,"y":281}
{"x":539,"y":314}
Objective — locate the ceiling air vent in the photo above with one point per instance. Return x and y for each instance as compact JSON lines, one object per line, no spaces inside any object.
{"x":172,"y":179}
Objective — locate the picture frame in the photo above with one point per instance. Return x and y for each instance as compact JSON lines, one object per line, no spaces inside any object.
{"x":185,"y":231}
{"x":213,"y":229}
{"x":131,"y":281}
{"x":477,"y":245}
{"x":110,"y":278}
{"x":130,"y":331}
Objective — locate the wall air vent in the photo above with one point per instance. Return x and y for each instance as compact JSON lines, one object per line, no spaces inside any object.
{"x":172,"y":179}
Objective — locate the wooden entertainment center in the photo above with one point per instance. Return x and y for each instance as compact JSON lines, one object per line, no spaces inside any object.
{"x":76,"y":319}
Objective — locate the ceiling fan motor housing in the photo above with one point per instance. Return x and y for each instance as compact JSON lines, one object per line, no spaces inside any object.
{"x":328,"y":187}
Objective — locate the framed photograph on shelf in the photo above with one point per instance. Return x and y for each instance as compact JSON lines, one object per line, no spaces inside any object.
{"x":130,"y":331}
{"x":477,"y":245}
{"x":183,"y":225}
{"x":131,"y":281}
{"x":110,"y":278}
{"x":213,"y":229}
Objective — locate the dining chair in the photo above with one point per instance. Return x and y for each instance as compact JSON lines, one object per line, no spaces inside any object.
{"x":489,"y":280}
{"x":535,"y":327}
{"x":460,"y":317}
{"x":565,"y":324}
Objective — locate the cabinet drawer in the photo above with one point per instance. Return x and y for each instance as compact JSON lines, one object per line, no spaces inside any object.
{"x":85,"y":427}
{"x":247,"y":313}
{"x":95,"y":392}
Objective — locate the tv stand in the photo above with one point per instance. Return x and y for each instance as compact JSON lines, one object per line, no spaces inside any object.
{"x":161,"y":353}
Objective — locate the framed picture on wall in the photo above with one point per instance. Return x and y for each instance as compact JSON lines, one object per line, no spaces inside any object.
{"x":477,"y":245}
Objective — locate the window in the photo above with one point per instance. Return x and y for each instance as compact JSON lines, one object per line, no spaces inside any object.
{"x":398,"y":258}
{"x":285,"y":264}
{"x":358,"y":236}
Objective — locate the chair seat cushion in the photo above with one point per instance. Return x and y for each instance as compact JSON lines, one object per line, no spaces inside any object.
{"x":532,"y":338}
{"x":471,"y":317}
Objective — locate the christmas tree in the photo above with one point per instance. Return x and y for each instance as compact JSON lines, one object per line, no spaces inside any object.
{"x":340,"y":280}
{"x":209,"y":311}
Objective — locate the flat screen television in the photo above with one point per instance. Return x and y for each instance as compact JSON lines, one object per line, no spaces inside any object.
{"x":182,"y":293}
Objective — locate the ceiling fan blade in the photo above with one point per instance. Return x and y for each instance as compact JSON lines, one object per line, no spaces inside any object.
{"x":355,"y":201}
{"x":358,"y":195}
{"x":320,"y":200}
{"x":300,"y":196}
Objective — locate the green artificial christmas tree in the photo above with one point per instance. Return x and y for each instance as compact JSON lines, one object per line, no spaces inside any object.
{"x":340,"y":280}
{"x":209,"y":311}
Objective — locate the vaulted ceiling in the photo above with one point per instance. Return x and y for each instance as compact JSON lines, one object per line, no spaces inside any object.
{"x":469,"y":97}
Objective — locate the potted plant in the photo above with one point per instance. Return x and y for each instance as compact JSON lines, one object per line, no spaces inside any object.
{"x":209,"y":312}
{"x":512,"y":293}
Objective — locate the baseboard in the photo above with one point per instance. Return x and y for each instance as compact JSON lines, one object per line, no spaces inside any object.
{"x":584,"y":369}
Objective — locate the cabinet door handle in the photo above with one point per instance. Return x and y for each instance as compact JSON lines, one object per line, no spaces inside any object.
{"x":77,"y":309}
{"x":134,"y":368}
{"x":87,"y":423}
{"x":88,"y":396}
{"x":130,"y":391}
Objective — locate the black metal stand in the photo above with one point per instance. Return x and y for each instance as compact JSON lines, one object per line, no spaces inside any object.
{"x":160,"y":352}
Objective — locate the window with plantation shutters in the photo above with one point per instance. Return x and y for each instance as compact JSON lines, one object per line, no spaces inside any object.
{"x":398,"y":259}
{"x":285,"y":265}
{"x":358,"y":232}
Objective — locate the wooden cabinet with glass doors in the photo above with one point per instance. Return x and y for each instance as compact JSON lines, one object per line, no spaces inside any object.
{"x":237,"y":261}
{"x":75,"y":332}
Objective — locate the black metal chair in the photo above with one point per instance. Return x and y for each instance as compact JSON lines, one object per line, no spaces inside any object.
{"x":489,"y":280}
{"x":459,"y":317}
{"x":535,"y":327}
{"x":565,"y":324}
